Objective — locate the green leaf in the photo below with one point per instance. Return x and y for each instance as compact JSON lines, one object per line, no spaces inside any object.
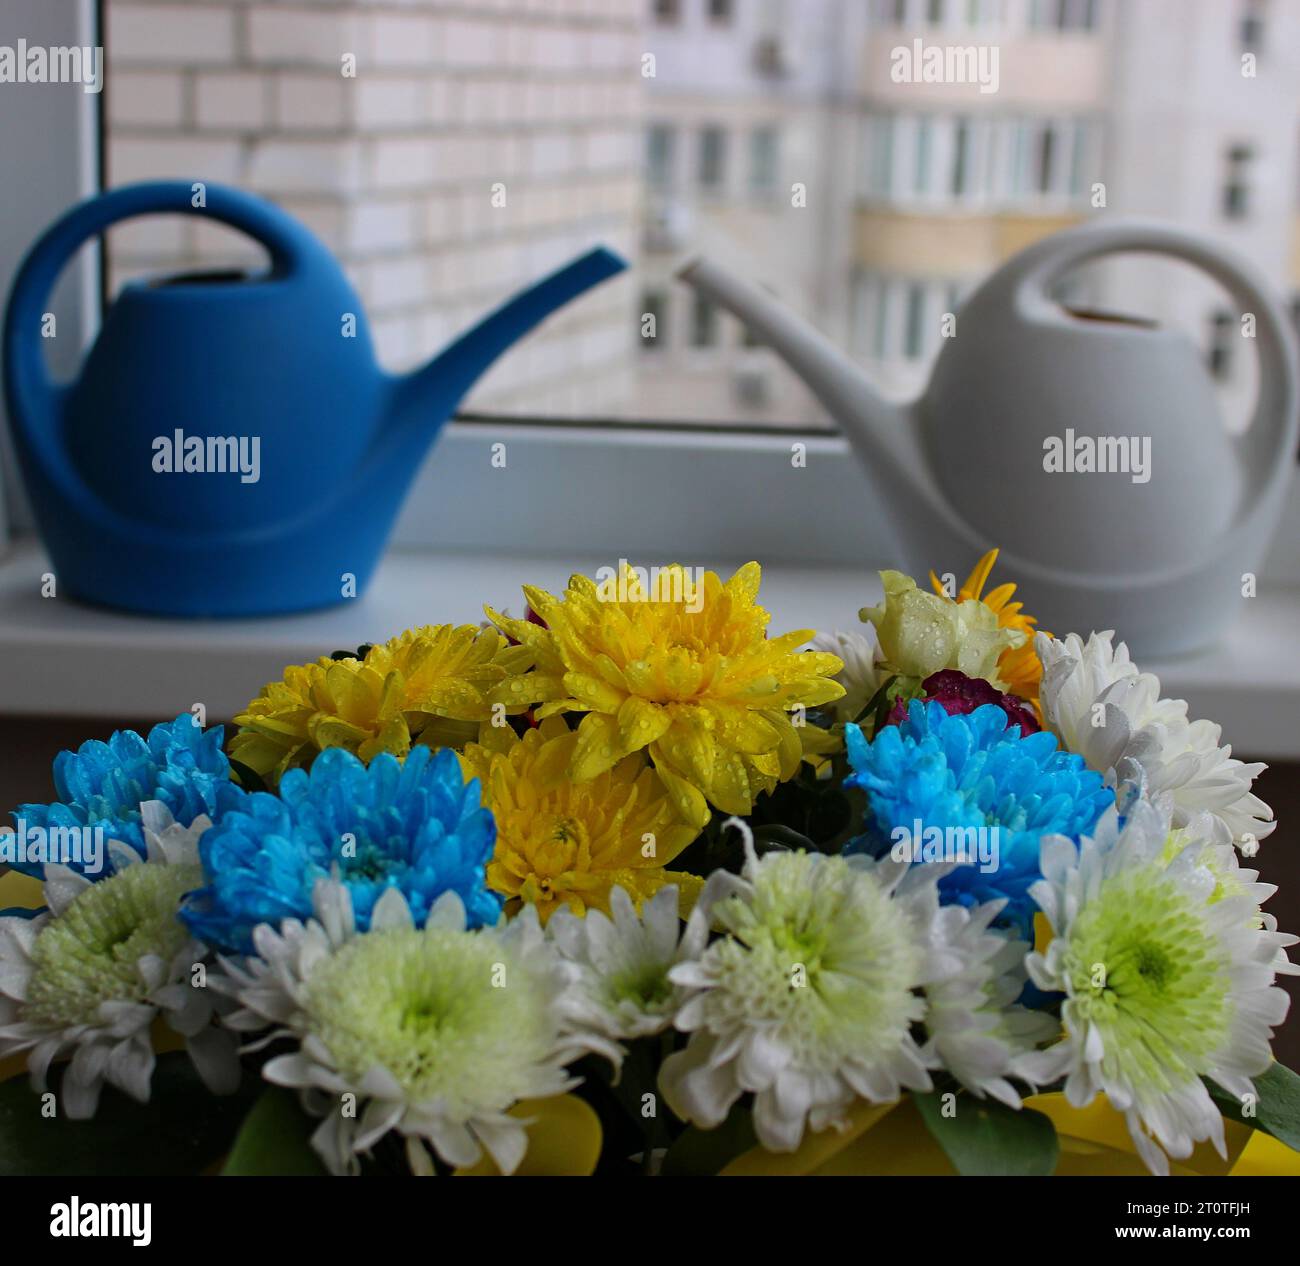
{"x":1277,"y":1110}
{"x":776,"y":836}
{"x":873,"y":705}
{"x":183,"y":1129}
{"x":697,"y":1153}
{"x":986,"y":1137}
{"x":275,"y":1139}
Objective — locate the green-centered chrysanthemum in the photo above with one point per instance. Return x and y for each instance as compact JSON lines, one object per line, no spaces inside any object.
{"x":1143,"y":969}
{"x":89,"y":976}
{"x":621,"y":962}
{"x":433,"y":1033}
{"x":682,"y":668}
{"x":91,"y":954}
{"x":823,"y":953}
{"x":1168,"y":975}
{"x":439,"y":1010}
{"x":808,"y":999}
{"x":433,"y":685}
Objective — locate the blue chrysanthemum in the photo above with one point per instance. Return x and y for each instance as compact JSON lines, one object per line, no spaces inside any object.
{"x":974,"y":771}
{"x":417,"y":826}
{"x":101,"y":785}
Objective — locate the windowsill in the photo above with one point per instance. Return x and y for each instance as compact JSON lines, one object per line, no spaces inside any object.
{"x":63,"y":659}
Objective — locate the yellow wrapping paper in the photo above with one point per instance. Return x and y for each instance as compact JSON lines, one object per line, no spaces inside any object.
{"x":20,"y":891}
{"x":892,"y":1139}
{"x":564,"y":1140}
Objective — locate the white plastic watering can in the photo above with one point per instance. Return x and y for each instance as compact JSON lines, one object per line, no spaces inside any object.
{"x":990,"y":454}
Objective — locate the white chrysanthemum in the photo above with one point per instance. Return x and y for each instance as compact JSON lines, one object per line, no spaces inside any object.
{"x":1086,"y":680}
{"x":974,"y":1027}
{"x":809,"y":997}
{"x":1168,"y":974}
{"x":89,"y":976}
{"x":621,"y":988}
{"x":437,"y":1032}
{"x":858,"y":676}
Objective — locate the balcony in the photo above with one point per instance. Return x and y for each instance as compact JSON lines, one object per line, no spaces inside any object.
{"x":1067,"y":71}
{"x":946,"y":245}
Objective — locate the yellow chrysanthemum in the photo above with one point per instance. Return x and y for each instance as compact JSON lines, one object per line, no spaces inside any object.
{"x":563,"y":843}
{"x":695,"y":682}
{"x":1018,"y":666}
{"x":434,"y":685}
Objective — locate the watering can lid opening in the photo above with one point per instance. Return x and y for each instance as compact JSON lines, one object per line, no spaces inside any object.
{"x":204,"y":277}
{"x":1109,"y":318}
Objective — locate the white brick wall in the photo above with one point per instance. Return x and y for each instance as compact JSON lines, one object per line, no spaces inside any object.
{"x":394,"y":168}
{"x":311,"y":103}
{"x":147,"y":97}
{"x":225,"y":100}
{"x":315,"y":35}
{"x":391,"y":103}
{"x":408,"y":40}
{"x":163,"y":34}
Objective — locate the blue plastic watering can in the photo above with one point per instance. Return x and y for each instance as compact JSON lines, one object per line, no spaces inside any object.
{"x":231,"y":447}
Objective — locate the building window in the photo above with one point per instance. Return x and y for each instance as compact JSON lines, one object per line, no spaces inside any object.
{"x":1079,"y":158}
{"x":1018,"y":174}
{"x":667,"y":10}
{"x":921,"y":176}
{"x":1222,"y":328}
{"x":1236,"y":185}
{"x":763,"y":161}
{"x":704,"y":323}
{"x":896,"y":320}
{"x":880,"y":332}
{"x":713,"y":146}
{"x":953,"y":296}
{"x":1250,"y":30}
{"x":654,"y":332}
{"x":1063,"y":15}
{"x":961,"y":158}
{"x":882,"y":155}
{"x":914,"y":330}
{"x":659,"y":157}
{"x":720,"y":11}
{"x":1045,"y":159}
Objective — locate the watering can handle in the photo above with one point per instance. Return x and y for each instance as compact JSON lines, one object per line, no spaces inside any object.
{"x":1268,"y":442}
{"x":31,"y":396}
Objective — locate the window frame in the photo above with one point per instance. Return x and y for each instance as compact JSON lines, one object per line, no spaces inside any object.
{"x":649,"y":490}
{"x":43,"y":175}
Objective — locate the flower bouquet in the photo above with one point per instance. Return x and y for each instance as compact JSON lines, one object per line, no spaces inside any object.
{"x":629,"y":885}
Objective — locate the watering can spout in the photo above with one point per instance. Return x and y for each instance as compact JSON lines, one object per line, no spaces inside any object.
{"x":873,"y":425}
{"x":433,"y":391}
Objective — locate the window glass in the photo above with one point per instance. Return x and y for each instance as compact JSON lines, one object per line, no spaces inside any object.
{"x":763,"y":160}
{"x":659,"y":156}
{"x":477,"y":147}
{"x":713,"y":149}
{"x":704,"y":322}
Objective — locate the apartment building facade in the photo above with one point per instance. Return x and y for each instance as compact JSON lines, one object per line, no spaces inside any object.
{"x":1181,"y":110}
